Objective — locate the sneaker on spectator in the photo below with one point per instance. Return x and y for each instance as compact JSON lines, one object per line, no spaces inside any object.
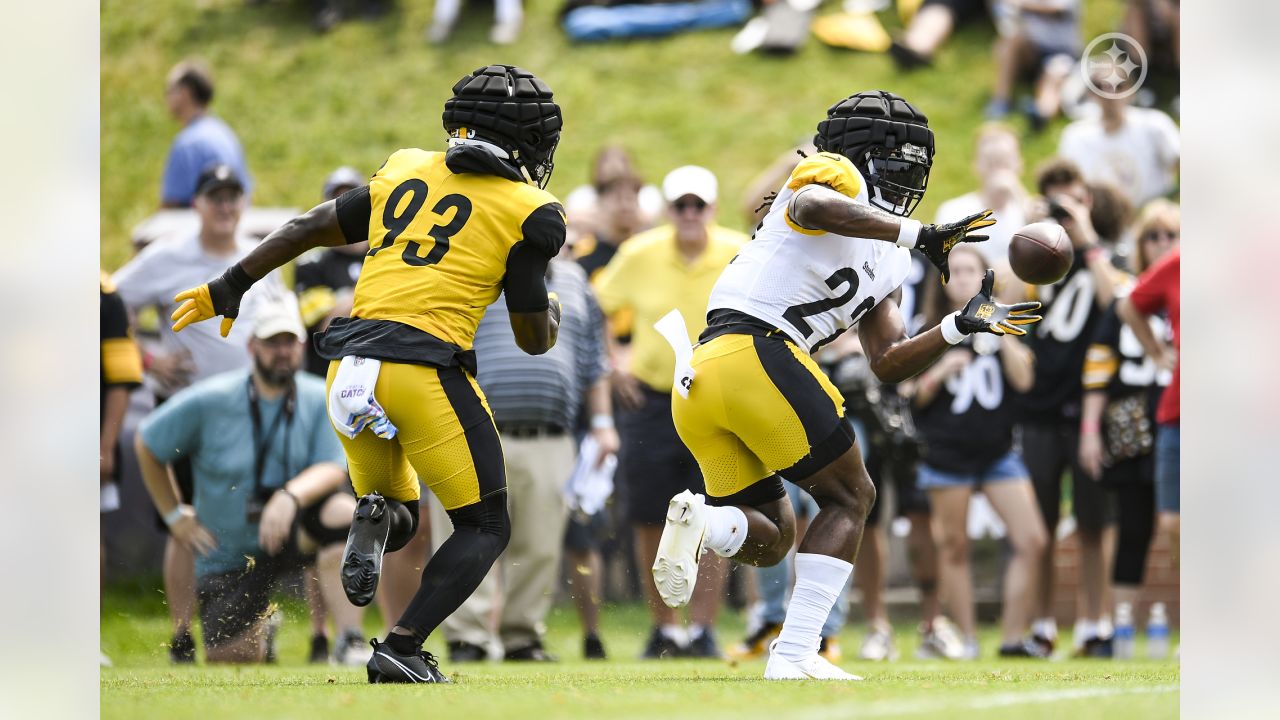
{"x":1027,"y":648}
{"x":756,"y":645}
{"x":878,"y":645}
{"x":504,"y":33}
{"x":1095,"y":647}
{"x":592,"y":648}
{"x":352,"y":649}
{"x":661,"y":647}
{"x":940,"y":641}
{"x":182,"y":648}
{"x":319,"y":650}
{"x":972,"y":651}
{"x":829,"y":649}
{"x":997,"y":109}
{"x":530,"y":653}
{"x":703,"y":645}
{"x":464,"y":652}
{"x":438,"y":32}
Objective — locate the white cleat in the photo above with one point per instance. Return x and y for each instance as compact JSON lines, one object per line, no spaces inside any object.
{"x":675,"y":570}
{"x":814,"y":667}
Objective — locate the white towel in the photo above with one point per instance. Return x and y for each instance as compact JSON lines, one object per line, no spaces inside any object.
{"x":589,"y":487}
{"x":352,"y":407}
{"x":672,"y":327}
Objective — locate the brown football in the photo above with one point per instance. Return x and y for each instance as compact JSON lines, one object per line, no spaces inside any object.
{"x":1041,"y":253}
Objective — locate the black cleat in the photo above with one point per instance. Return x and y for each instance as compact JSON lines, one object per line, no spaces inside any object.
{"x":362,"y":560}
{"x":319,"y":650}
{"x":182,"y":649}
{"x":387,"y":666}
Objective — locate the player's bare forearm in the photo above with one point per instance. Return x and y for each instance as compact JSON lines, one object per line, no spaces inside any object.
{"x":318,"y":227}
{"x":821,"y":208}
{"x":893,"y":356}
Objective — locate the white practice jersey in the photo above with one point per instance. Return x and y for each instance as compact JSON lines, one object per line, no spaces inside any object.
{"x":811,"y":284}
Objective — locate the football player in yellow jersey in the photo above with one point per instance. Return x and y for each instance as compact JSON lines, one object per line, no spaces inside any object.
{"x":448,"y":232}
{"x":750,"y":402}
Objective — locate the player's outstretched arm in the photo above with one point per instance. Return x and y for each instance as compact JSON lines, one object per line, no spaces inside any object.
{"x":894,"y":357}
{"x":221,"y":296}
{"x":817,"y":207}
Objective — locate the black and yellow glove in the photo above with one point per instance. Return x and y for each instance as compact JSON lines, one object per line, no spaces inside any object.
{"x":220,"y":296}
{"x":983,"y":314}
{"x":936,"y":241}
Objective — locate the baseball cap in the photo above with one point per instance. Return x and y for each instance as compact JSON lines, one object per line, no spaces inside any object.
{"x":345,"y":176}
{"x":279,"y":316}
{"x":216,"y":177}
{"x":689,"y":180}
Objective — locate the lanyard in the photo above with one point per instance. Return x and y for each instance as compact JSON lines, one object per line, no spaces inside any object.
{"x":261,"y":442}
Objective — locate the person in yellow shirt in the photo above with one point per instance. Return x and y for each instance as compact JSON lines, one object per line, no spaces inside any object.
{"x":671,"y":266}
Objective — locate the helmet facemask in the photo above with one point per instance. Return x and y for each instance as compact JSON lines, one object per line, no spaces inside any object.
{"x":897,"y":177}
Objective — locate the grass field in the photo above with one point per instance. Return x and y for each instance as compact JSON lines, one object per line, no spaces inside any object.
{"x":304,"y":104}
{"x":142,"y":685}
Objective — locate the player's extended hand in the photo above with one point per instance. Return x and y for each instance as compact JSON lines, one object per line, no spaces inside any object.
{"x":188,"y":530}
{"x":220,"y":296}
{"x":277,"y":522}
{"x":984,"y":314}
{"x":936,"y":241}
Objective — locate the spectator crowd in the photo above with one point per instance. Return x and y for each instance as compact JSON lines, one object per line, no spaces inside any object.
{"x":1080,"y":422}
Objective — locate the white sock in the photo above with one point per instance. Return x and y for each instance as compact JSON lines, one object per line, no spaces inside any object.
{"x":819,"y":581}
{"x":726,"y":529}
{"x":1045,"y":628}
{"x":676,"y":634}
{"x":1084,"y":630}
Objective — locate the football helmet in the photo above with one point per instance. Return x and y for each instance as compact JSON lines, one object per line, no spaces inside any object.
{"x":511,"y":108}
{"x":888,"y":139}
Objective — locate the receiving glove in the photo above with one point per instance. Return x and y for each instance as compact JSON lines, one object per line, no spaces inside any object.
{"x":936,"y":241}
{"x":220,"y":296}
{"x":553,"y":302}
{"x":983,"y":314}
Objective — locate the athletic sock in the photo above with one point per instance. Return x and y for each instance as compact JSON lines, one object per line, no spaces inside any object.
{"x":403,"y":644}
{"x":1045,"y":628}
{"x":820,"y":579}
{"x":726,"y":529}
{"x":675,"y":633}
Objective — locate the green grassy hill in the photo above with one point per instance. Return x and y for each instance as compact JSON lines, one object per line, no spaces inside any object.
{"x":304,"y":103}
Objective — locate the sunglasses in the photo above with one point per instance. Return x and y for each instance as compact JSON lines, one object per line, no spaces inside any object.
{"x":693,"y":204}
{"x":1156,"y":235}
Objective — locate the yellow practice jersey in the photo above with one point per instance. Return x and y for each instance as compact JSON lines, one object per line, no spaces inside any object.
{"x":440,"y":241}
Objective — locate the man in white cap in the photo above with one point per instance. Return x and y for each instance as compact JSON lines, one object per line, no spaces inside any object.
{"x":671,"y":266}
{"x":268,"y":478}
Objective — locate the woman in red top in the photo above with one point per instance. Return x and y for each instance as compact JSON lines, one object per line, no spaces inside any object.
{"x":1159,"y":290}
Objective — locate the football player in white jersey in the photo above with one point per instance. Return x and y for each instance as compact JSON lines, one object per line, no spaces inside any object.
{"x":751,"y":404}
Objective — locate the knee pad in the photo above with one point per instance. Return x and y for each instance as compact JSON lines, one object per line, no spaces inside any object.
{"x":404,"y":523}
{"x":487,"y":517}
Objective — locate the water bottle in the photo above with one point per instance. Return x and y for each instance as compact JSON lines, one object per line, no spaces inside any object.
{"x":1158,"y":633}
{"x":1122,"y":645}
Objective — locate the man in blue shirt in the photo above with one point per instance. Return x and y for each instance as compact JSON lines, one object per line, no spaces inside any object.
{"x":268,"y":473}
{"x":203,"y":141}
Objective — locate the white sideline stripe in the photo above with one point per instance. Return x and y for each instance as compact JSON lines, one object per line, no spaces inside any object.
{"x":987,"y":702}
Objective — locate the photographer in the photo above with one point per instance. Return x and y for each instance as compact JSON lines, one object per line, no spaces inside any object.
{"x":1050,"y":417}
{"x":268,"y":477}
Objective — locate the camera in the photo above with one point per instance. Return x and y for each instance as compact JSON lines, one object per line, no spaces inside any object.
{"x":1057,"y":212}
